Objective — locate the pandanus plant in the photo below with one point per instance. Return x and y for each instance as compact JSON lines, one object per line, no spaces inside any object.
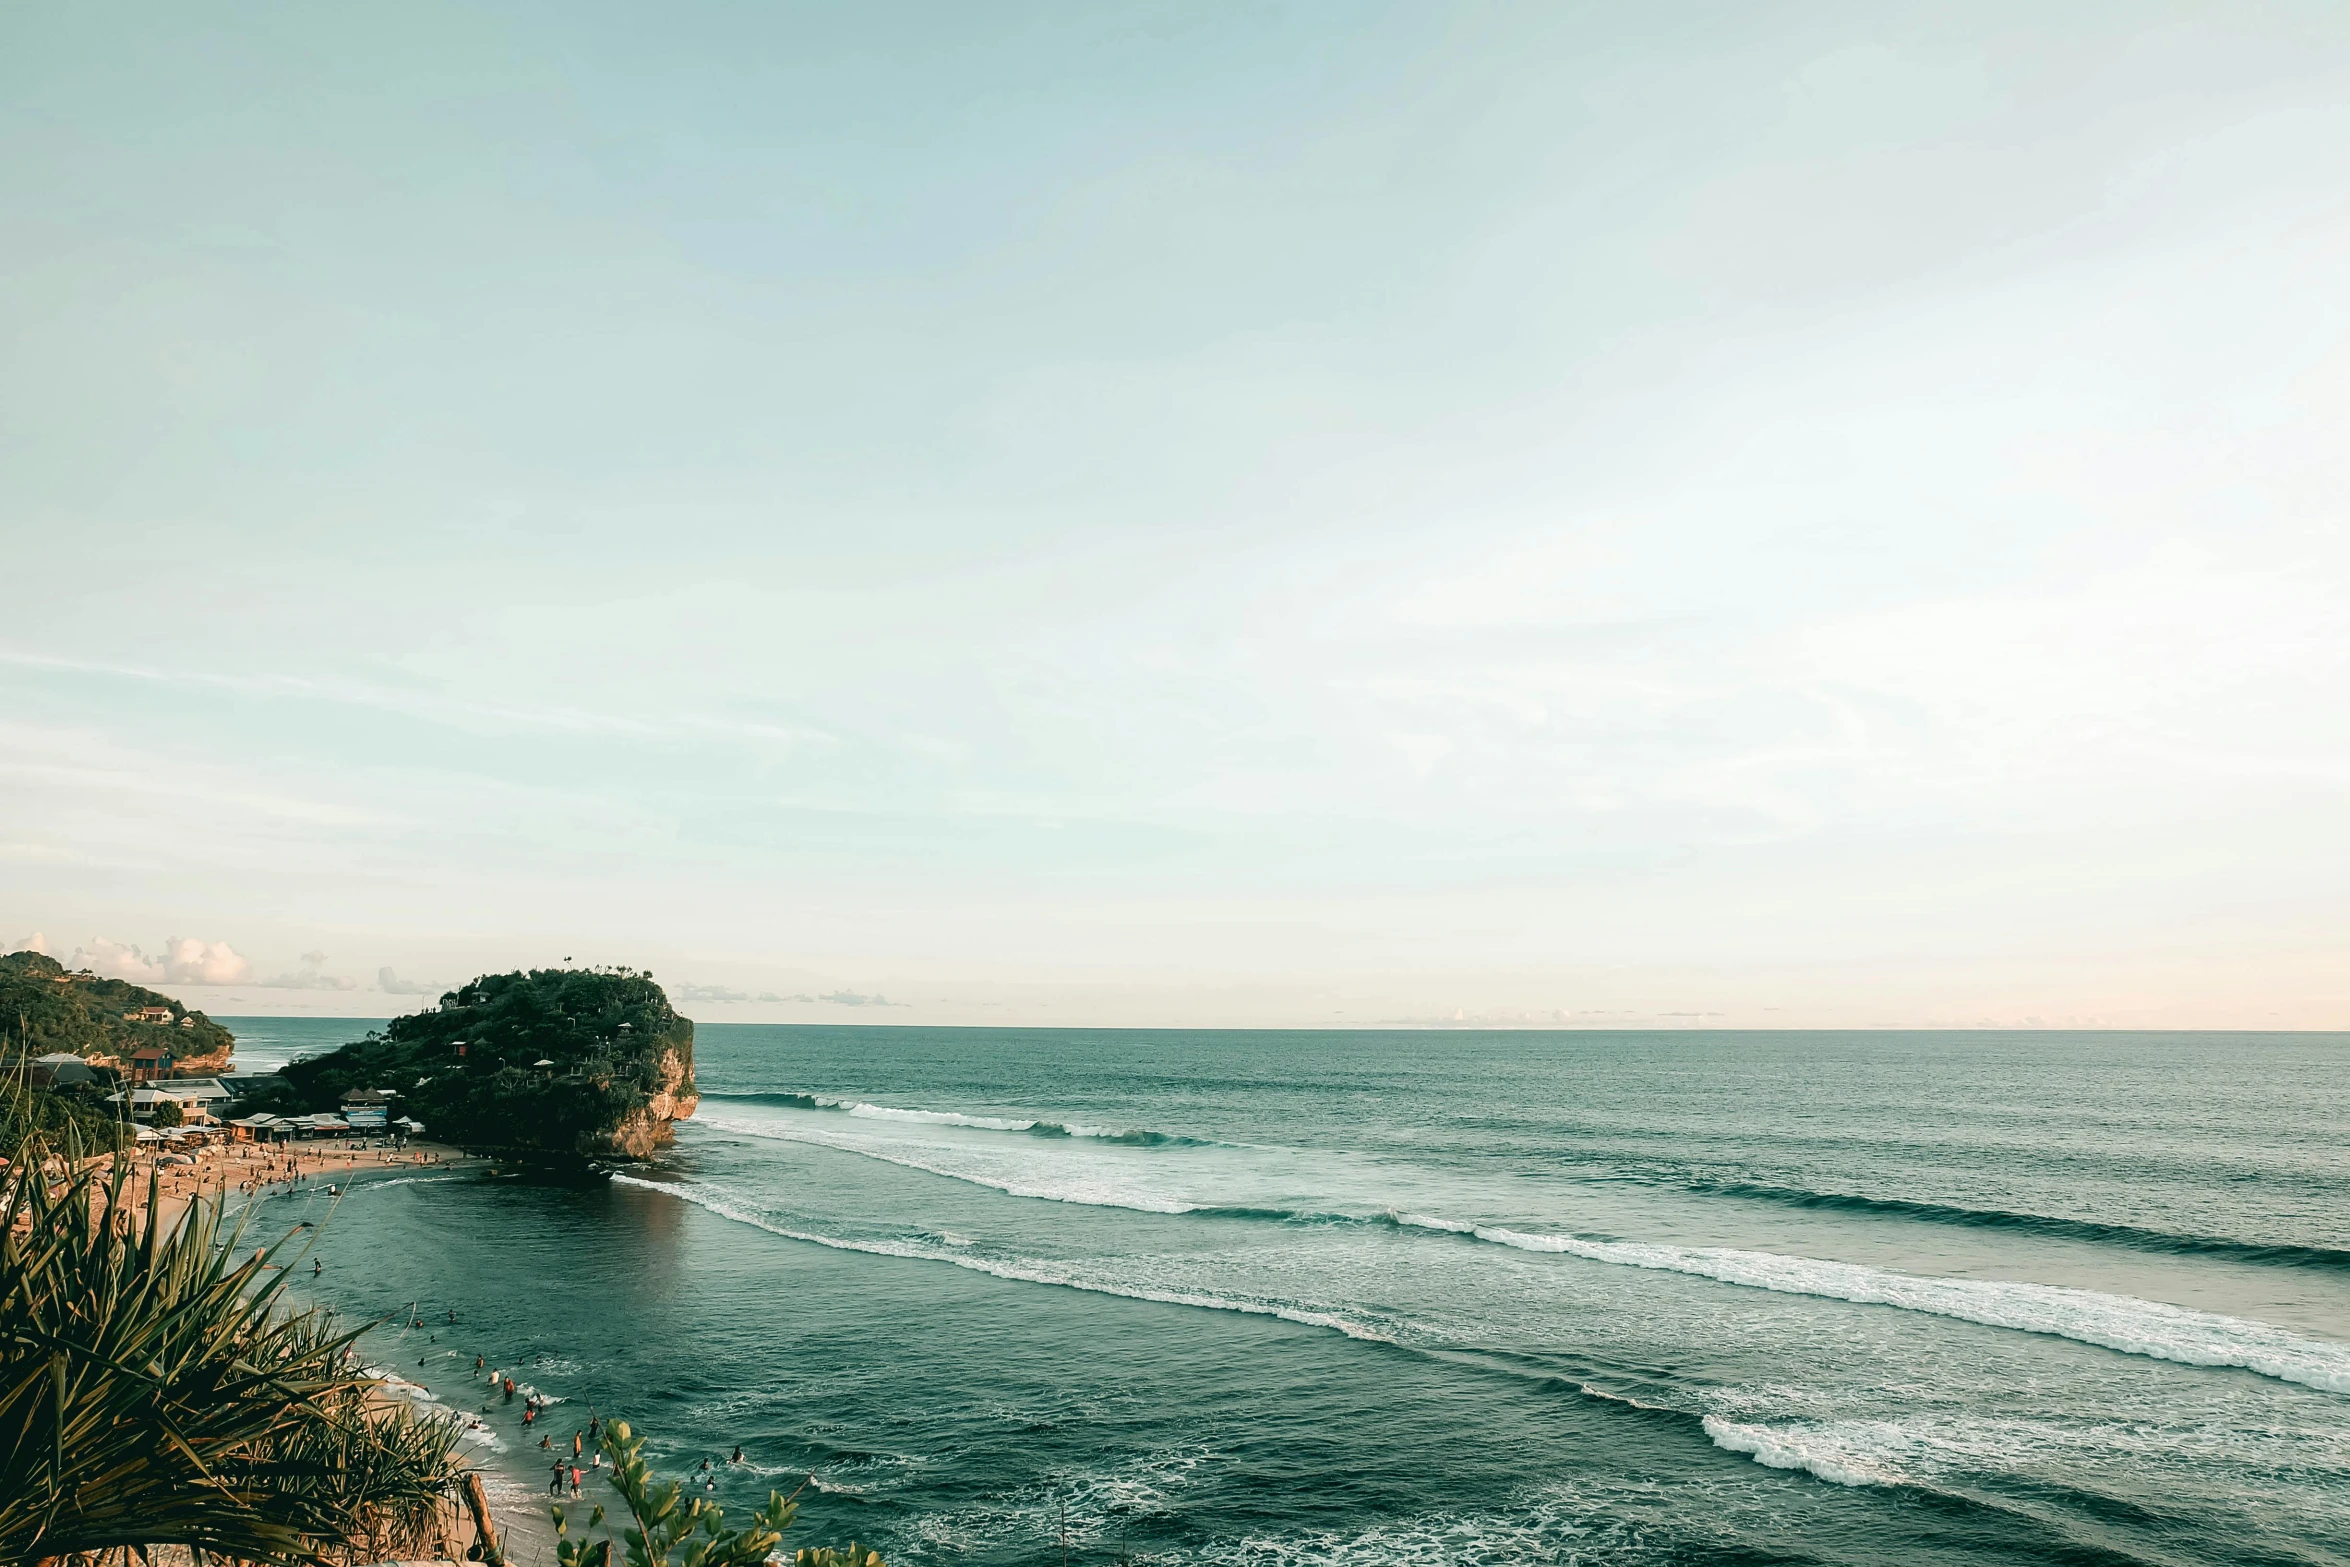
{"x":667,"y":1528}
{"x":156,"y":1390}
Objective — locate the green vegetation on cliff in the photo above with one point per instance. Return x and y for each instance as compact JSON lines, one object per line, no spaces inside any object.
{"x":620,"y":1065}
{"x":45,"y":1009}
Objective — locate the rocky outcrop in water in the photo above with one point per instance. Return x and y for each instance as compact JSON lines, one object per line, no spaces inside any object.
{"x":554,"y":1063}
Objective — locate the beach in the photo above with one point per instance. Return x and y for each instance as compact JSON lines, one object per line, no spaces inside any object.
{"x":246,"y":1177}
{"x":233,"y":1171}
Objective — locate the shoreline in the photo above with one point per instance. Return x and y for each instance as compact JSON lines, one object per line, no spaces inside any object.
{"x":239,"y":1176}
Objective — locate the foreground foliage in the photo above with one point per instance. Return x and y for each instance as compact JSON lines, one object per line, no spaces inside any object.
{"x":154,"y":1390}
{"x":75,"y":1113}
{"x":666,"y":1528}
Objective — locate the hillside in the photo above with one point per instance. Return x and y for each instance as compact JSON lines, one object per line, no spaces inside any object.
{"x":44,"y":1009}
{"x":622,"y":1065}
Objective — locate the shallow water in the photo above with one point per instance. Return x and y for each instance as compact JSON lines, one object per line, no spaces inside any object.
{"x":1364,"y":1297}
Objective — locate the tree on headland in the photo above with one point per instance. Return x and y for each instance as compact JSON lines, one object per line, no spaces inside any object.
{"x":49,"y":1008}
{"x":619,"y":1065}
{"x":155,"y":1390}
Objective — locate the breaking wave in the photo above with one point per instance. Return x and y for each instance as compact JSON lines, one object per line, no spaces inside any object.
{"x":2154,"y":1329}
{"x":1025,"y":1270}
{"x":2126,"y":1324}
{"x":2136,"y":1237}
{"x":864,"y":1111}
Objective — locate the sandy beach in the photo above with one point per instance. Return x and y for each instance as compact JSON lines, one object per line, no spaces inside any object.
{"x":237,"y":1172}
{"x":234,"y":1170}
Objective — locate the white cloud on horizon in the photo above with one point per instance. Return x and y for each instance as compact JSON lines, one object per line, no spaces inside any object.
{"x":391,"y":984}
{"x":311,"y":975}
{"x":184,"y":960}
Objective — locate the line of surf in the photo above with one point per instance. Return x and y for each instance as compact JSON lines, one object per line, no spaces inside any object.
{"x":2136,"y":1237}
{"x":1137,"y":1137}
{"x":2123,"y":1323}
{"x":1027,"y":1271}
{"x":1041,"y":1184}
{"x":2155,"y":1329}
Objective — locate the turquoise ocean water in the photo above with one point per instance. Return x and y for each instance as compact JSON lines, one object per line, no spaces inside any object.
{"x":1230,"y":1297}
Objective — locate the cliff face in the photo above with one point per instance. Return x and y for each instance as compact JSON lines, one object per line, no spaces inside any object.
{"x":563,"y":1063}
{"x":652,"y":1124}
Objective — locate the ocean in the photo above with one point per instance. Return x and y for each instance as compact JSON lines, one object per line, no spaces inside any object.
{"x":1371,"y":1297}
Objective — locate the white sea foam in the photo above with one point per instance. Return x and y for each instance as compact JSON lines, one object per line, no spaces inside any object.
{"x":1038,"y":1175}
{"x":1832,"y":1453}
{"x":2123,"y":1323}
{"x":986,"y":1123}
{"x":1025,"y":1270}
{"x":2120,"y":1322}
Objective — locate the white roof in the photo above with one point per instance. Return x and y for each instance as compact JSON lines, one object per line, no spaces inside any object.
{"x":55,"y":1058}
{"x":150,"y":1096}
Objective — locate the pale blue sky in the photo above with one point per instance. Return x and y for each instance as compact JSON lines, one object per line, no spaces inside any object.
{"x":1797,"y":514}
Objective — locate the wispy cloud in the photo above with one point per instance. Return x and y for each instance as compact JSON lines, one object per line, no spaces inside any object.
{"x":391,"y":984}
{"x":440,"y":707}
{"x":310,"y":976}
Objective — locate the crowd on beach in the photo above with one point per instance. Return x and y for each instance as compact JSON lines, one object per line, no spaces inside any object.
{"x":251,"y":1170}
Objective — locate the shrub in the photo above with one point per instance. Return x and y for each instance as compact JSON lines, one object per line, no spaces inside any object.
{"x":669,"y":1529}
{"x":154,"y":1391}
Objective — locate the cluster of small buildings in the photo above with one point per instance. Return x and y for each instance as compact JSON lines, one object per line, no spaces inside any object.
{"x":204,"y":1103}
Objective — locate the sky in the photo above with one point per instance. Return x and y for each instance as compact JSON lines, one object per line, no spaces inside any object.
{"x":1326,"y":514}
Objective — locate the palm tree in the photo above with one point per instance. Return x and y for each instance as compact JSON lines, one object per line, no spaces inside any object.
{"x":154,"y":1390}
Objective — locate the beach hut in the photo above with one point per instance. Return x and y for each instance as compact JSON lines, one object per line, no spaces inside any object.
{"x":144,"y":1100}
{"x":368,"y":1109}
{"x":209,"y":1092}
{"x":59,"y":1067}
